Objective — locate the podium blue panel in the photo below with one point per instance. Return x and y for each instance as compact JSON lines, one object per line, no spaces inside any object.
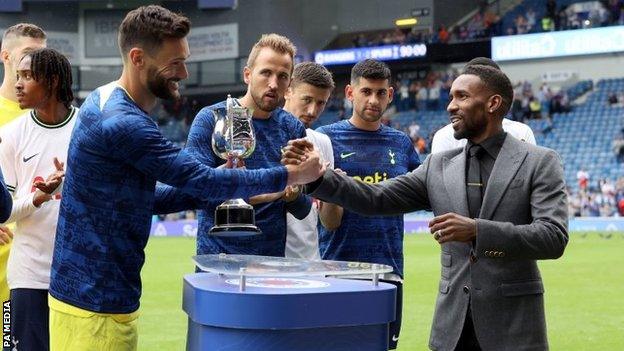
{"x":326,"y":314}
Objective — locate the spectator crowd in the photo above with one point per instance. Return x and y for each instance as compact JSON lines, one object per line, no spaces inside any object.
{"x":604,"y":198}
{"x":488,"y":22}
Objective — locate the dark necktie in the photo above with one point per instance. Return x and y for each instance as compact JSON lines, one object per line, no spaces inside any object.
{"x":473,"y":181}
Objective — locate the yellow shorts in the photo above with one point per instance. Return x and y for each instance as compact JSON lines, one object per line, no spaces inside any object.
{"x":72,"y":328}
{"x":4,"y":259}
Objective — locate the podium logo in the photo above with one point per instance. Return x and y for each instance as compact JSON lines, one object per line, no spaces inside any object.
{"x":281,"y":283}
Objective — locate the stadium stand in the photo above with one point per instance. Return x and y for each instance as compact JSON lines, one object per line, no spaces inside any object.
{"x":528,"y":16}
{"x":583,"y":137}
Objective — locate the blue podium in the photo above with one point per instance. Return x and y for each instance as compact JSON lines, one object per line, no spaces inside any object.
{"x":271,"y":308}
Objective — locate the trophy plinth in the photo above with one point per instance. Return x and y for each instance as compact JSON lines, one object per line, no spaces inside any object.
{"x":235,"y":218}
{"x":233,"y":135}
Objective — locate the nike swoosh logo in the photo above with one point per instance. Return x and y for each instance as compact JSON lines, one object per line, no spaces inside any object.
{"x":343,"y":155}
{"x":26,"y":159}
{"x":395,"y":338}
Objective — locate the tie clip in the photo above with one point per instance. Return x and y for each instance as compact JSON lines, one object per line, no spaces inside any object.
{"x":475,"y":184}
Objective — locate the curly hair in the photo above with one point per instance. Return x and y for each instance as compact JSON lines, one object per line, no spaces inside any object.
{"x":49,"y":66}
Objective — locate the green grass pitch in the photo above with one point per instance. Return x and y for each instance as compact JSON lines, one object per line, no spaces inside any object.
{"x":584,"y":293}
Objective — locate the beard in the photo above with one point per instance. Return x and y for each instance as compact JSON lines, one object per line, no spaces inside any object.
{"x":265,"y":106}
{"x":160,"y":85}
{"x":470,"y":130}
{"x":462,"y":134}
{"x":369,"y":116}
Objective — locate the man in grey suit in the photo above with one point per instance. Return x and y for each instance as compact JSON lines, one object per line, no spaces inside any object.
{"x":490,"y":293}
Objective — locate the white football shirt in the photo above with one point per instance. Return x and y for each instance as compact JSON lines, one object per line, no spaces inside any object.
{"x":302,"y":235}
{"x":444,"y":140}
{"x":27,"y":153}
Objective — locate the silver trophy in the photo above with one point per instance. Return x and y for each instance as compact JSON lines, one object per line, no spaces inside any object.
{"x":234,"y":135}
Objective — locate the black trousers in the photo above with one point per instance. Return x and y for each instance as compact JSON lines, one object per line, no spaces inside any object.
{"x":30,"y":320}
{"x":468,"y":339}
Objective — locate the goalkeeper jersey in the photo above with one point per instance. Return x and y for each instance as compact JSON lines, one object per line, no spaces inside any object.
{"x":116,"y":155}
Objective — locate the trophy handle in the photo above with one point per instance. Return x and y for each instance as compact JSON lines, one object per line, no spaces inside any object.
{"x":221,"y":134}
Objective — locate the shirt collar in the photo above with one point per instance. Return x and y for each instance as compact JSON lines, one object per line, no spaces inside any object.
{"x":491,"y":145}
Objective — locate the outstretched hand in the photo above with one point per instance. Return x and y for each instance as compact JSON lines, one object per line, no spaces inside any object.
{"x":54,"y":180}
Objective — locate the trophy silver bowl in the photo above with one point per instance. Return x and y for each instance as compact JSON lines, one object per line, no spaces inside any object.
{"x":233,"y":135}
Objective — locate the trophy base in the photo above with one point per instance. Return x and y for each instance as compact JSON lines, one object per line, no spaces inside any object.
{"x":234,"y":230}
{"x":234,"y":218}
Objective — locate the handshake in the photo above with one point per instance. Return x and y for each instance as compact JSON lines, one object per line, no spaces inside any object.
{"x":304,"y":164}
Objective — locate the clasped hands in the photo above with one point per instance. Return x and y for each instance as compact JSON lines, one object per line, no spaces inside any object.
{"x":453,"y":227}
{"x":446,"y":227}
{"x":299,"y":155}
{"x":297,"y":151}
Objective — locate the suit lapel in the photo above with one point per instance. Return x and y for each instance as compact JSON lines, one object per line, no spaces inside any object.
{"x":454,"y":174}
{"x":505,"y":168}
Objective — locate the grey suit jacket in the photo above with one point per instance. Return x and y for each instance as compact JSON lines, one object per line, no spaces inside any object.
{"x":523,"y":219}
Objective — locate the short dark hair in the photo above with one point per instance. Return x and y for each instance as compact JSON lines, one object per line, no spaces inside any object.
{"x":46,"y":66}
{"x":370,"y":69}
{"x":148,"y":26}
{"x":485,"y":61}
{"x":314,"y":74}
{"x":494,"y":80}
